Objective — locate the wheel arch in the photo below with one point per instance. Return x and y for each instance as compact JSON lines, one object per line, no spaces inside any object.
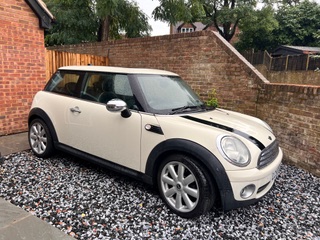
{"x":204,"y":158}
{"x":39,"y":113}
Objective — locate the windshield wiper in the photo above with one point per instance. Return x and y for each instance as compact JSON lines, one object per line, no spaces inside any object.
{"x":185,"y":108}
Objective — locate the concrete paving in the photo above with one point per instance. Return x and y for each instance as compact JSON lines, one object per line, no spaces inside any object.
{"x":14,"y":143}
{"x":15,"y":223}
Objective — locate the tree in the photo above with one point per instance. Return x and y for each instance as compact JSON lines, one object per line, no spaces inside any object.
{"x":107,"y":12}
{"x":95,"y":20}
{"x":118,"y":16}
{"x":76,"y":22}
{"x":293,"y":23}
{"x":298,"y":24}
{"x":257,"y":31}
{"x":225,"y":15}
{"x":136,"y":23}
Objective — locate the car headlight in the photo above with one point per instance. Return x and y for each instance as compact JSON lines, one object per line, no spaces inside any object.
{"x":235,"y":151}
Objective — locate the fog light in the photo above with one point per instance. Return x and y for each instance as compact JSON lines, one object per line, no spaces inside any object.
{"x":247,"y":191}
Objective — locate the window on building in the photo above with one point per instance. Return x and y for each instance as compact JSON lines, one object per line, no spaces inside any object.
{"x":186,"y":30}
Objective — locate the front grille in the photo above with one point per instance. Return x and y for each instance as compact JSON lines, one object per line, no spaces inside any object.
{"x":268,"y":155}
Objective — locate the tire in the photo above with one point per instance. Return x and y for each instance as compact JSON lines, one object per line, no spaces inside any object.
{"x":40,"y":139}
{"x":185,"y":187}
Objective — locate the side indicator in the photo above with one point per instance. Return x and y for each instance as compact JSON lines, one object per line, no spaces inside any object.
{"x":154,"y":129}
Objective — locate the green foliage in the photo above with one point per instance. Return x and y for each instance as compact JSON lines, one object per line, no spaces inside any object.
{"x":94,"y":20}
{"x":76,"y":22}
{"x":223,"y":14}
{"x":134,"y":22}
{"x":257,"y":31}
{"x":107,"y":7}
{"x":293,"y":23}
{"x":172,"y":11}
{"x":298,"y":24}
{"x":212,"y":99}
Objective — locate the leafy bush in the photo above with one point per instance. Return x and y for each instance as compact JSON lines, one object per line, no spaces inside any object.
{"x":212,"y":99}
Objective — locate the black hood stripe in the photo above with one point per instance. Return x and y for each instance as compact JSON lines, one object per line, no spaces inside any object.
{"x":229,"y":129}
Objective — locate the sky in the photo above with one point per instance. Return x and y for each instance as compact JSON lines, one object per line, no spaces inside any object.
{"x":158,"y":27}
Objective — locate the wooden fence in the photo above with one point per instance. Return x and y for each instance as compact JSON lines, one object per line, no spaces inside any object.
{"x":284,"y":63}
{"x":56,"y":59}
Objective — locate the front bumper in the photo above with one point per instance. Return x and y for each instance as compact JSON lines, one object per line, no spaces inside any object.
{"x":262,"y":179}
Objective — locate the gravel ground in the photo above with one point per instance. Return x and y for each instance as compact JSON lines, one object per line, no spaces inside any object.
{"x":91,"y":203}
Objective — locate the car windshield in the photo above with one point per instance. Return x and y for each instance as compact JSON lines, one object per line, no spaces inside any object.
{"x":168,"y":94}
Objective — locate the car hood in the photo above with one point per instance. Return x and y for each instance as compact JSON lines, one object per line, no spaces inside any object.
{"x":243,"y":125}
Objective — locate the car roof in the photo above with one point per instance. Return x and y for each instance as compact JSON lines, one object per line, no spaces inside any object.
{"x":118,"y":70}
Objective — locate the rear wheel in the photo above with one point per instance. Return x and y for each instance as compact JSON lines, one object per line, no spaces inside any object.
{"x":185,"y":187}
{"x":40,"y":139}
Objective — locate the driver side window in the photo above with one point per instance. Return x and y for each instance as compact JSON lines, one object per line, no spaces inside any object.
{"x":103,"y":87}
{"x":95,"y":86}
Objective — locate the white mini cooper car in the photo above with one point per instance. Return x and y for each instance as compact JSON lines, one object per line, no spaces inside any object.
{"x":150,"y":125}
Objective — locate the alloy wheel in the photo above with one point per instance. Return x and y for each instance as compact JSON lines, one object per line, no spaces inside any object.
{"x":38,"y":138}
{"x":179,"y":186}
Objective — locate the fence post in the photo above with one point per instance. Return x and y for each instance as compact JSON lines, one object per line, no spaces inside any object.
{"x":308,"y":59}
{"x":287,"y":60}
{"x":270,"y":62}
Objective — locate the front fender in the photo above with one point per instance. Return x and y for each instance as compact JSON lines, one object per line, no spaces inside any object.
{"x":204,"y":157}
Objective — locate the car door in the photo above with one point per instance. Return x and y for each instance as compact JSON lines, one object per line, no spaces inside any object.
{"x":62,"y":89}
{"x":95,"y":130}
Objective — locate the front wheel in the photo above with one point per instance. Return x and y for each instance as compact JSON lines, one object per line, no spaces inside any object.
{"x":185,"y":187}
{"x":40,"y":139}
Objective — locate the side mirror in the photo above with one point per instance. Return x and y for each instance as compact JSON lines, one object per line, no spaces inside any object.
{"x":118,"y":105}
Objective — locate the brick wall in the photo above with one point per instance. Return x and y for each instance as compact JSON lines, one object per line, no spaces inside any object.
{"x":207,"y":61}
{"x":22,"y":64}
{"x":293,"y":111}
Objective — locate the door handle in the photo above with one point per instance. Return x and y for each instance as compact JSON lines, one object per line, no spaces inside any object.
{"x":75,"y":109}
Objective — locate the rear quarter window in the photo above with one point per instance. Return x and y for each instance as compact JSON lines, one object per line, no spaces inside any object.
{"x":65,"y":83}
